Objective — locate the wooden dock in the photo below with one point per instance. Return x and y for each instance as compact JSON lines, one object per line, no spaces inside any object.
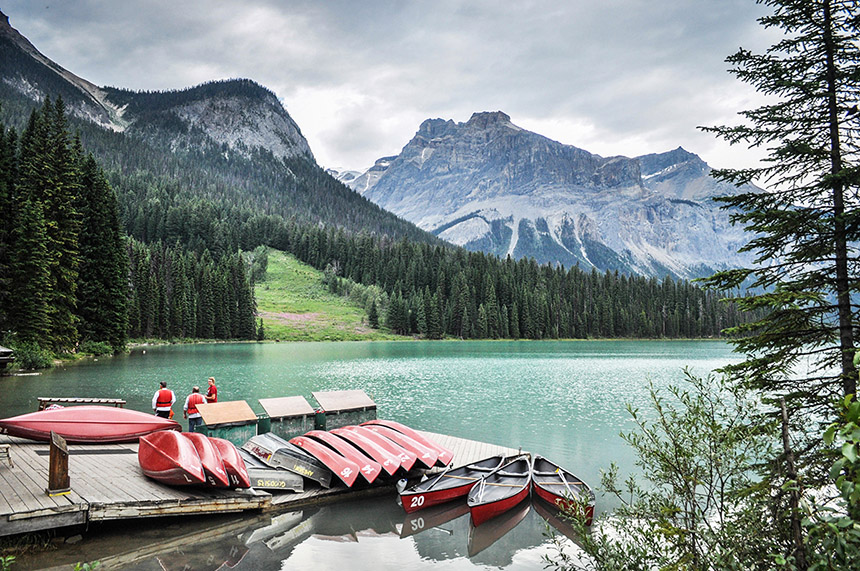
{"x":107,"y":484}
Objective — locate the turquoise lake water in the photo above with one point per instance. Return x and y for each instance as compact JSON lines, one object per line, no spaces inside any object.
{"x":564,"y":400}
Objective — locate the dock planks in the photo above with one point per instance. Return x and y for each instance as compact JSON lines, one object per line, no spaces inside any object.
{"x":107,"y":484}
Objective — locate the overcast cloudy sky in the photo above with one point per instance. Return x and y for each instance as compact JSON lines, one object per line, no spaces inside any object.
{"x":613,"y":77}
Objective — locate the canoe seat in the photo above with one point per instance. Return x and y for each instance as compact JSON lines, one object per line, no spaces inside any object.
{"x":5,"y":450}
{"x":512,"y":474}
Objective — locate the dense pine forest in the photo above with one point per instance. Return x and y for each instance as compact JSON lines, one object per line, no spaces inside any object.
{"x":69,"y":276}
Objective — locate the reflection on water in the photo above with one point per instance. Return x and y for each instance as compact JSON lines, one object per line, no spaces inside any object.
{"x":370,"y":534}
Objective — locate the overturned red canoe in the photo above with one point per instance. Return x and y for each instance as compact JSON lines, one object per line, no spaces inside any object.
{"x":170,"y":458}
{"x":87,"y":424}
{"x":445,"y":456}
{"x":425,"y":454}
{"x":210,"y":457}
{"x":368,"y":467}
{"x":235,"y":467}
{"x":407,"y":457}
{"x":343,"y":468}
{"x":389,"y":461}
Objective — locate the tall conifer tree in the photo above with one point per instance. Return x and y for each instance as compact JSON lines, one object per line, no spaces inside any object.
{"x":102,"y":291}
{"x":807,"y":223}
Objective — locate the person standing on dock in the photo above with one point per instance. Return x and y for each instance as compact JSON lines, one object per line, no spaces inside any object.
{"x":212,"y":393}
{"x":162,"y":400}
{"x":190,"y":408}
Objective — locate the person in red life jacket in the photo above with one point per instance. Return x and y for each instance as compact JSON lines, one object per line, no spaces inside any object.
{"x":212,"y":393}
{"x":162,"y":401}
{"x":190,"y":408}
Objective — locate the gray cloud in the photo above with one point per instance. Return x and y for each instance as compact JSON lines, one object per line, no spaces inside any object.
{"x":613,"y":77}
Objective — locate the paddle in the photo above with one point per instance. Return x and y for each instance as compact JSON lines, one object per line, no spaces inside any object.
{"x":563,"y":479}
{"x":439,"y":477}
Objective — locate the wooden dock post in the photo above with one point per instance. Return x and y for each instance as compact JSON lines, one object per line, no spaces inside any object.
{"x":58,"y":468}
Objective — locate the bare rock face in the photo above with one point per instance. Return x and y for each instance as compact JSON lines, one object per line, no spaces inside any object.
{"x":237,"y":115}
{"x":491,"y":186}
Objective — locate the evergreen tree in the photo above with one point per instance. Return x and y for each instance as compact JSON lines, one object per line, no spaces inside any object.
{"x":102,"y":286}
{"x":373,"y":315}
{"x":806,"y":229}
{"x":30,"y":274}
{"x":806,"y":226}
{"x":481,"y":326}
{"x":434,"y":320}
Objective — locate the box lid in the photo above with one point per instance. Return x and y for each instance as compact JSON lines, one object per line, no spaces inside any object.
{"x":227,"y":412}
{"x":286,"y":406}
{"x":335,"y":401}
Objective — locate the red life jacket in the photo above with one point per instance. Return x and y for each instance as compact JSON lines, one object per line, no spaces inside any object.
{"x":193,"y":400}
{"x":165,"y":396}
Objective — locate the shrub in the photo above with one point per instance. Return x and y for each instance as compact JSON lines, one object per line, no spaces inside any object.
{"x":29,"y":355}
{"x":96,"y":348}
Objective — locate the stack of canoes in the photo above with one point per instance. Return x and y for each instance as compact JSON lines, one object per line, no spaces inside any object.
{"x":178,"y":459}
{"x":496,"y":485}
{"x":351,"y":455}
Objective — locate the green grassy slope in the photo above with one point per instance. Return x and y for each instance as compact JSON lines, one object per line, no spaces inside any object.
{"x":296,"y":306}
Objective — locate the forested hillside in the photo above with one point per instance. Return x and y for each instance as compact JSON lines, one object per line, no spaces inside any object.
{"x":69,"y":276}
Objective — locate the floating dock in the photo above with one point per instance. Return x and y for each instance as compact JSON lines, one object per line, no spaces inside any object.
{"x":107,"y":484}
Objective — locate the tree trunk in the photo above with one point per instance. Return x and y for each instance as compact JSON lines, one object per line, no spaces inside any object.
{"x":843,"y":297}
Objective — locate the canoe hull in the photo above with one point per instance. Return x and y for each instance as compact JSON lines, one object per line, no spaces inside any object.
{"x":407,"y":457}
{"x":342,"y":467}
{"x":170,"y":458}
{"x":561,"y":488}
{"x":445,"y":456}
{"x":368,"y":468}
{"x":447,"y":486}
{"x":264,"y":477}
{"x":237,"y":473}
{"x":425,"y":455}
{"x":210,"y":458}
{"x":86,"y":424}
{"x":276,"y":452}
{"x":500,"y":491}
{"x":487,"y":511}
{"x":388,"y":460}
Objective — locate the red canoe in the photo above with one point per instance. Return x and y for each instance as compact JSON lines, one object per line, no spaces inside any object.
{"x":210,"y":457}
{"x":342,"y":467}
{"x":235,"y":467}
{"x":447,"y":486}
{"x":426,"y":455}
{"x":445,"y":456}
{"x":407,"y":457}
{"x":500,"y":491}
{"x":370,"y":469}
{"x":555,"y":485}
{"x":389,"y":461}
{"x":169,"y":457}
{"x":86,"y":424}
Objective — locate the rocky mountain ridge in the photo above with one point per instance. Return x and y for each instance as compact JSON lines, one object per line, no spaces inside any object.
{"x":240,"y":114}
{"x":489,"y":185}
